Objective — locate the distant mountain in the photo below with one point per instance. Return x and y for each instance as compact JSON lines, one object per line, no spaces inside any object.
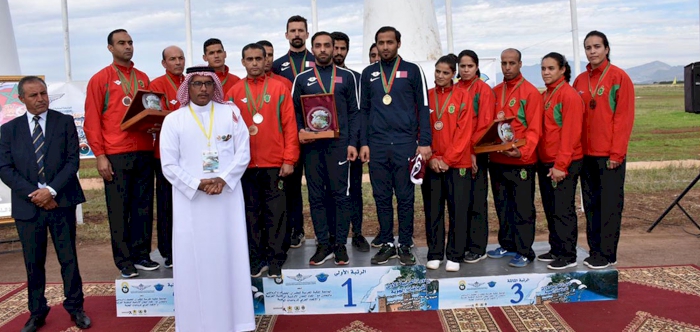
{"x":649,"y":73}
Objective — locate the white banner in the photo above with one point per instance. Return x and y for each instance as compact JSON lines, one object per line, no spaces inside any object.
{"x":69,"y":98}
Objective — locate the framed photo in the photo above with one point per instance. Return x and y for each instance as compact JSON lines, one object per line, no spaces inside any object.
{"x":320,"y":116}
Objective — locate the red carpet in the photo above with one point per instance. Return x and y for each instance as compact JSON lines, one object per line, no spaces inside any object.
{"x":650,"y":299}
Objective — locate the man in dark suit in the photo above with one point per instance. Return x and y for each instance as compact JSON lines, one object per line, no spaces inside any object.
{"x":39,"y":159}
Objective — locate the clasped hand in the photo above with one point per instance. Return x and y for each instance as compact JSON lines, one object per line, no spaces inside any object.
{"x":213,"y":186}
{"x":43,"y":199}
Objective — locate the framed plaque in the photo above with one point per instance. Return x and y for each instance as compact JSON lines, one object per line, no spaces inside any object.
{"x":144,"y":112}
{"x":498,"y":137}
{"x":320,"y":117}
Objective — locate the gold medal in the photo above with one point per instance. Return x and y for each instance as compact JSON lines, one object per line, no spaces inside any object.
{"x":253,"y":130}
{"x":258,"y":118}
{"x":438,"y":125}
{"x":387,"y":99}
{"x":126,"y":101}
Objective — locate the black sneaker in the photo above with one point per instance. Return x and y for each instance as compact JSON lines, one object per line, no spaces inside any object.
{"x":274,"y":272}
{"x":386,"y":252}
{"x":341,"y":255}
{"x":297,"y":240}
{"x":129,"y":272}
{"x":596,"y":262}
{"x":547,"y":257}
{"x":405,"y":256}
{"x":562,"y":263}
{"x":360,"y":243}
{"x":323,"y":253}
{"x":472,"y":258}
{"x":376,"y":243}
{"x":168,"y":263}
{"x":146,"y":265}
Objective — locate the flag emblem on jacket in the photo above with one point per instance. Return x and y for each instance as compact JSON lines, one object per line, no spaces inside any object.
{"x":401,"y":74}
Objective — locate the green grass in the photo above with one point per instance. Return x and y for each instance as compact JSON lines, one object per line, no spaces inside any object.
{"x":662,"y":128}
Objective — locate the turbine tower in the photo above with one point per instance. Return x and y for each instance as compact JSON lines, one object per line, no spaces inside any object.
{"x":8,"y":52}
{"x":415,"y":19}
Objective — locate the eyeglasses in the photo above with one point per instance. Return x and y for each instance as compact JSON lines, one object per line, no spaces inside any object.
{"x":198,"y":84}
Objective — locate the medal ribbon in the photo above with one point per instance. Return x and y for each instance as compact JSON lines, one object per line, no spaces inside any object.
{"x":294,"y":67}
{"x":600,"y":79}
{"x":320,"y":82}
{"x":175,"y":87}
{"x":441,"y":110}
{"x":548,"y":96}
{"x":128,"y":87}
{"x":257,"y":104}
{"x":505,"y":87}
{"x":387,"y":86}
{"x":201,"y":126}
{"x":472,"y":84}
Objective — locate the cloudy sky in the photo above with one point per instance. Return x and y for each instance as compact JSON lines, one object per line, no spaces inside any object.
{"x":639,"y":31}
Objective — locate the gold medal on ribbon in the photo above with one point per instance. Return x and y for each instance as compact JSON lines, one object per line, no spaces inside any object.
{"x":387,"y":99}
{"x":388,"y":84}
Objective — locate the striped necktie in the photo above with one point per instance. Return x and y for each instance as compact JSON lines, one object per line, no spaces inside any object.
{"x":38,"y":139}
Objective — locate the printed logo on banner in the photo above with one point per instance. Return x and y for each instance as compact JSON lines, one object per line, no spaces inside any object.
{"x":125,"y":287}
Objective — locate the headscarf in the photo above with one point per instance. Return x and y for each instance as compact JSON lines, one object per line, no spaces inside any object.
{"x":183,"y":93}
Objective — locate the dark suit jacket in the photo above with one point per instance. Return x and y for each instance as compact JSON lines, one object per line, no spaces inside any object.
{"x":19,"y":171}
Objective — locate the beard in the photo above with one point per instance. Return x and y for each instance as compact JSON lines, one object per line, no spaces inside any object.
{"x":297,"y":42}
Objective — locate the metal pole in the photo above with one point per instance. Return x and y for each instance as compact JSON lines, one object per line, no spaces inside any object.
{"x":574,"y":35}
{"x":448,"y":24}
{"x":188,"y":33}
{"x":66,"y":40}
{"x":314,"y":15}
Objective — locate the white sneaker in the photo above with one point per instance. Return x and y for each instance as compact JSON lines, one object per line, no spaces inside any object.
{"x":451,"y":266}
{"x":433,"y":265}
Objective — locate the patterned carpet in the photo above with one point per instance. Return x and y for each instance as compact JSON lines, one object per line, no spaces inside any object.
{"x":650,"y":299}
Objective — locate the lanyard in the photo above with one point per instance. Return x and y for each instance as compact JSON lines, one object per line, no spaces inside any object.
{"x":441,"y":110}
{"x":548,"y":96}
{"x":254,"y":105}
{"x":387,"y":85}
{"x":505,"y":87}
{"x":600,"y":79}
{"x":201,"y":126}
{"x":320,"y":82}
{"x":128,"y":86}
{"x":294,"y":67}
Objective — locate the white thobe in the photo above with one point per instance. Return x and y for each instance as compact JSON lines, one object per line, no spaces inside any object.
{"x":210,"y":248}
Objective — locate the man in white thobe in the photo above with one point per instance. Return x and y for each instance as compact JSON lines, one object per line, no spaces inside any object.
{"x":204,"y":149}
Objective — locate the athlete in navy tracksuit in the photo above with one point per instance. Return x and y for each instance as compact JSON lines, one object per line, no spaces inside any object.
{"x":341,"y":44}
{"x":395,"y":115}
{"x":327,"y":160}
{"x":297,"y":59}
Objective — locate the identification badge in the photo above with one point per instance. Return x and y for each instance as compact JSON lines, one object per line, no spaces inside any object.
{"x":210,"y":161}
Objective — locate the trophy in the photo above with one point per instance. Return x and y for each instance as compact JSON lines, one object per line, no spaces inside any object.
{"x":320,"y":117}
{"x":498,"y":137}
{"x":144,"y":115}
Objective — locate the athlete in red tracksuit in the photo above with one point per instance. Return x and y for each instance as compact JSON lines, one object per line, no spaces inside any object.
{"x":559,"y":165}
{"x":483,"y":102}
{"x":513,"y":171}
{"x":608,"y":94}
{"x":448,"y":176}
